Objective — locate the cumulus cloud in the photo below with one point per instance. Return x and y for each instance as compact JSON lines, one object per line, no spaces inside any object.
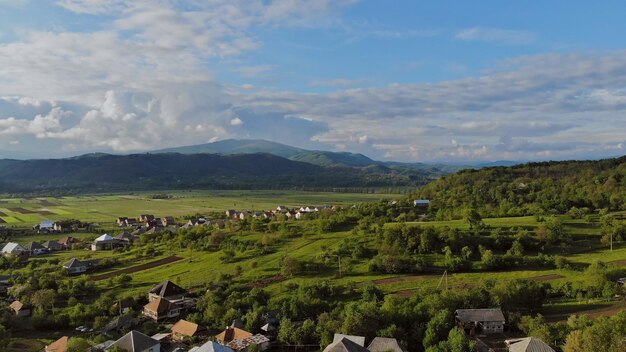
{"x":130,"y":85}
{"x":236,"y":122}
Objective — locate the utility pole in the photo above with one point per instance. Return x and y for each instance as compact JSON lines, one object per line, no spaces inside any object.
{"x":444,"y":276}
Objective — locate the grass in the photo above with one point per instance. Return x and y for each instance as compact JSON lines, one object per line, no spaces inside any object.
{"x":106,"y":208}
{"x":197,"y":269}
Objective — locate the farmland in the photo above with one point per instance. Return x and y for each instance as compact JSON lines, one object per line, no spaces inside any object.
{"x":106,"y":208}
{"x":251,"y":254}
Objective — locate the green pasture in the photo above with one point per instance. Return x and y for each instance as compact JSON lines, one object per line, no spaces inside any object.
{"x":106,"y":208}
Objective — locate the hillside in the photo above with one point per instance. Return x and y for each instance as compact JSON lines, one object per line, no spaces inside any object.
{"x":236,"y":146}
{"x":531,"y":188}
{"x":99,"y":172}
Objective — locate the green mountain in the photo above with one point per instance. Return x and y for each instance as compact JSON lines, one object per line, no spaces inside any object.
{"x":237,"y":146}
{"x":248,"y":146}
{"x":531,"y":189}
{"x":104,"y":172}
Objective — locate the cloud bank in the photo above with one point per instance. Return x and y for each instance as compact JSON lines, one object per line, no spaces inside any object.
{"x":130,"y":85}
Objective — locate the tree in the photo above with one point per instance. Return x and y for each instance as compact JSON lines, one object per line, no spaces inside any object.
{"x":290,"y":266}
{"x":457,"y":342}
{"x":437,"y":328}
{"x":78,"y":344}
{"x":472,"y":218}
{"x":43,"y":298}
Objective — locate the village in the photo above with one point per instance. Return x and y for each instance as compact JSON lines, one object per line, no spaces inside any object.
{"x":168,"y":304}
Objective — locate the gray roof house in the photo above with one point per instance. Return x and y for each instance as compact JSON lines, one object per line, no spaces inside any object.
{"x":527,"y":344}
{"x":480,"y":321}
{"x":35,"y":248}
{"x":360,"y":340}
{"x":135,"y":341}
{"x":211,"y":346}
{"x":13,"y":248}
{"x":384,"y":344}
{"x":344,"y":344}
{"x":53,"y":245}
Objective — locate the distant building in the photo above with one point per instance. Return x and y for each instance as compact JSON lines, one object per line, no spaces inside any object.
{"x":35,"y":248}
{"x":527,"y":344}
{"x":211,"y":346}
{"x":20,"y":309}
{"x":59,"y":345}
{"x":135,"y":341}
{"x":160,"y":309}
{"x":230,"y":334}
{"x":345,"y":345}
{"x":480,"y":321}
{"x":384,"y":344}
{"x":421,"y":202}
{"x":184,"y":330}
{"x":75,"y":266}
{"x":52,"y":245}
{"x":13,"y":248}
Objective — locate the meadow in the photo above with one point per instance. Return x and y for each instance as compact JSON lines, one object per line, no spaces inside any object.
{"x":106,"y":208}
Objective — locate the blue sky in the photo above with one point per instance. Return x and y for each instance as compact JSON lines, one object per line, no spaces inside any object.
{"x":454,"y":81}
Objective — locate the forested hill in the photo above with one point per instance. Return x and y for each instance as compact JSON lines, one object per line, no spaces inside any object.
{"x":103,"y":172}
{"x":531,"y":188}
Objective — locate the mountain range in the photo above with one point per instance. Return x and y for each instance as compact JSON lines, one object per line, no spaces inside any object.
{"x":230,"y":164}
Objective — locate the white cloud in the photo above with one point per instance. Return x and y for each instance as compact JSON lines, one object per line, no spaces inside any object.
{"x":236,"y":122}
{"x":496,"y":35}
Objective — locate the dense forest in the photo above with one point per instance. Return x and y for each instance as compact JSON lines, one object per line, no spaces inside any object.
{"x":530,"y":189}
{"x":103,"y":172}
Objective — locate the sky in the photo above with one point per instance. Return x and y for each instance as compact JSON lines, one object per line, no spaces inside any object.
{"x":414,"y":81}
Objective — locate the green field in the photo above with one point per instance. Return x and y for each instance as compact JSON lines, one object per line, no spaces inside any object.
{"x":106,"y":208}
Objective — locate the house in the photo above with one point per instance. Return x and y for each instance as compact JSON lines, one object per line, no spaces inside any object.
{"x":211,"y":346}
{"x":290,"y":214}
{"x":107,"y":242}
{"x":480,"y":321}
{"x":299,"y":215}
{"x":131,"y":222}
{"x":621,"y":281}
{"x":20,"y":309}
{"x":168,"y":221}
{"x":259,"y":340}
{"x":184,"y":330}
{"x":75,"y":266}
{"x":359,"y":340}
{"x":13,"y":248}
{"x":126,"y":237}
{"x":135,"y":341}
{"x":167,"y":290}
{"x":160,"y":309}
{"x":46,"y":226}
{"x":120,"y":323}
{"x":146,"y":217}
{"x":232,"y":214}
{"x":125,"y":305}
{"x":282,"y":209}
{"x":230,"y":334}
{"x":345,"y":345}
{"x":52,"y":245}
{"x":35,"y":248}
{"x":59,"y":345}
{"x":243,"y":215}
{"x":384,"y":344}
{"x":68,"y":242}
{"x":527,"y":344}
{"x":121,"y":222}
{"x":421,"y":203}
{"x":62,"y":226}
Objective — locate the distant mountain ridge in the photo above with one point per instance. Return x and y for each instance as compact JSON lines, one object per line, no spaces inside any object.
{"x":249,"y":146}
{"x":98,"y":172}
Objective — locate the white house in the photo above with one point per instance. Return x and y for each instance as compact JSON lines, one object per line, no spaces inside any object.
{"x":13,"y":248}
